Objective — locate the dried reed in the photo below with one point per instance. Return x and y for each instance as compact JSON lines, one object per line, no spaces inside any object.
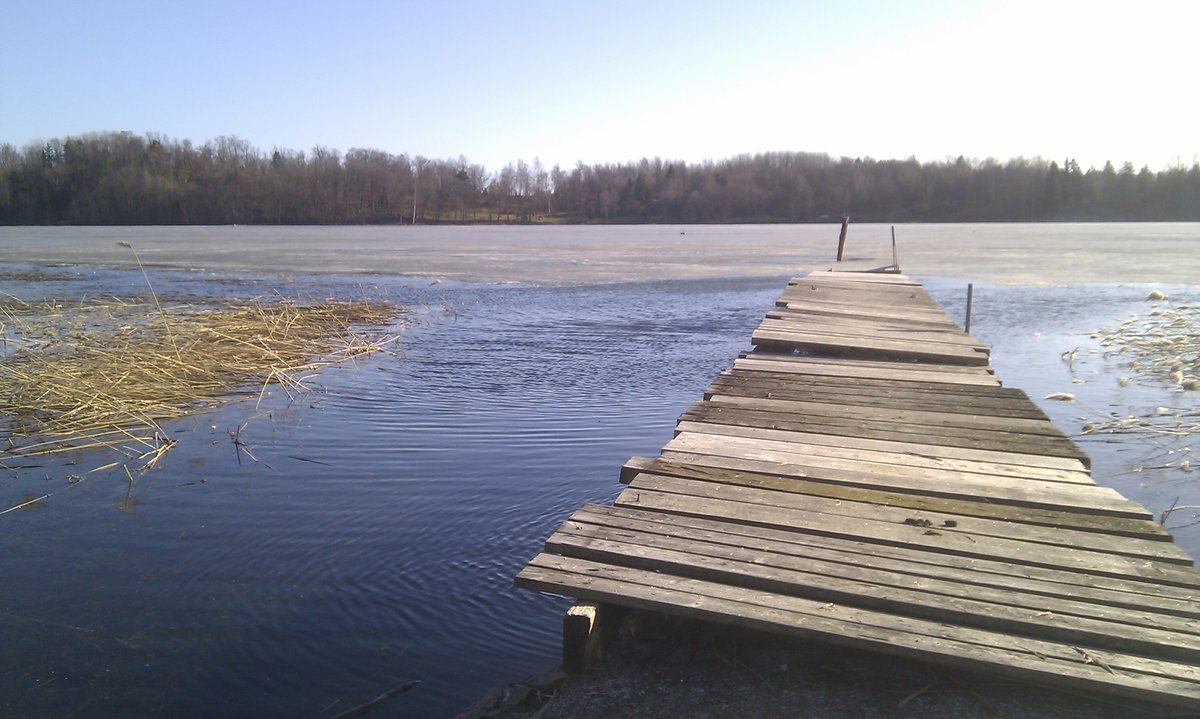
{"x":1161,"y":349}
{"x":107,"y":374}
{"x":1164,"y":346}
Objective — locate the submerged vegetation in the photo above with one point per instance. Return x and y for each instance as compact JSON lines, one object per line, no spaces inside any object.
{"x":125,"y":179}
{"x":1165,"y":345}
{"x":107,"y":374}
{"x":1160,"y":350}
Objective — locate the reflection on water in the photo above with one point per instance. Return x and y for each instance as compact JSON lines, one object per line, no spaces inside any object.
{"x":375,"y":538}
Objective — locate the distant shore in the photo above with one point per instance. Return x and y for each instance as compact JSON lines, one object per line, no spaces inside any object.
{"x":122,"y":178}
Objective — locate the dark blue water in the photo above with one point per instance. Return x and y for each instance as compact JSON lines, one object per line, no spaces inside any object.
{"x":375,"y":540}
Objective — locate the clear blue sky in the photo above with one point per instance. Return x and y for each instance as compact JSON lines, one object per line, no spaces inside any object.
{"x":614,"y":81}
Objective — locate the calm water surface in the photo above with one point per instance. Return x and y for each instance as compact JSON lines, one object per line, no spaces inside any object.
{"x":375,"y":540}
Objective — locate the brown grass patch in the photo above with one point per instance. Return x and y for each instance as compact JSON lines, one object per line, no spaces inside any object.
{"x":108,"y":374}
{"x":1163,"y":346}
{"x":1160,"y":349}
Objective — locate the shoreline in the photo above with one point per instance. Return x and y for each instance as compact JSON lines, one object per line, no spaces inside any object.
{"x":682,"y":668}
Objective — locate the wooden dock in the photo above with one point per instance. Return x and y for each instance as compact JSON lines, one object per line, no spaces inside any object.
{"x":863,"y":479}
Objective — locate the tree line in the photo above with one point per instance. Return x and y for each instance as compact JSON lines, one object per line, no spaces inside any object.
{"x":118,"y":178}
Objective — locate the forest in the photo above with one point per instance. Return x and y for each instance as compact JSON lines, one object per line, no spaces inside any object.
{"x":119,"y":178}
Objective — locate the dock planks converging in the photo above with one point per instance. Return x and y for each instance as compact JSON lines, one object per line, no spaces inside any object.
{"x":862,"y":478}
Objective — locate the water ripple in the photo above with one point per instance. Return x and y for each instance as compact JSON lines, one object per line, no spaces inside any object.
{"x":376,"y":539}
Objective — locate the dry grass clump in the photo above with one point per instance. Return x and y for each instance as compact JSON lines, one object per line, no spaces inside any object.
{"x":107,"y":374}
{"x":1162,"y":422}
{"x":1161,"y":349}
{"x":1164,"y":346}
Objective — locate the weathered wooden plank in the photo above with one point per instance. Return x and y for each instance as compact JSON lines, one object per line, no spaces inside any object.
{"x":725,"y":451}
{"x":864,"y":398}
{"x":878,"y":307}
{"x":858,"y":279}
{"x":848,"y":276}
{"x":742,"y":384}
{"x":935,"y":392}
{"x":913,"y":302}
{"x":908,"y":314}
{"x":871,"y":295}
{"x":856,"y":276}
{"x":886,"y":451}
{"x":850,"y":324}
{"x":869,"y":463}
{"x":967,"y":648}
{"x":857,"y":292}
{"x":900,"y":300}
{"x":994,"y":572}
{"x":854,"y":405}
{"x":902,"y":373}
{"x":864,"y":331}
{"x":940,"y":387}
{"x":952,"y":521}
{"x":862,"y":363}
{"x":868,"y":347}
{"x":924,"y":418}
{"x":967,"y":431}
{"x":940,"y":369}
{"x":898,"y":310}
{"x":722,"y":413}
{"x":848,"y":318}
{"x":844,"y":322}
{"x":833,"y":313}
{"x":965,"y":437}
{"x":881,"y":589}
{"x":1043,"y":503}
{"x":915,"y":537}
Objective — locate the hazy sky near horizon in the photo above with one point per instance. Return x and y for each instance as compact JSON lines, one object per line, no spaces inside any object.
{"x":614,"y":81}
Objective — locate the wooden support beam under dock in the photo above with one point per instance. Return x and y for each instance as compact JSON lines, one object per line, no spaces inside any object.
{"x":863,"y":479}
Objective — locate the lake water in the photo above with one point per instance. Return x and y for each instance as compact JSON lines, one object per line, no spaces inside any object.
{"x":375,"y":540}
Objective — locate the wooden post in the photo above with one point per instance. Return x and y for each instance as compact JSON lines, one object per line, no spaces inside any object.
{"x":589,"y":628}
{"x":895,"y":257}
{"x":970,"y":289}
{"x":582,"y":638}
{"x":842,"y":236}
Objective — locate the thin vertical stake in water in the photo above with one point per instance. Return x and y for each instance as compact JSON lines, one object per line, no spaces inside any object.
{"x":842,"y":236}
{"x":967,"y":324}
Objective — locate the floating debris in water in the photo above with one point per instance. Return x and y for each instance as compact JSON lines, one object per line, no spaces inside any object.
{"x":1162,"y":353}
{"x":1162,"y":347}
